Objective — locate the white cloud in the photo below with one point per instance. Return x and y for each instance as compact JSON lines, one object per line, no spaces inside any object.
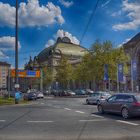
{"x":61,"y":34}
{"x":66,"y":3}
{"x":132,"y":10}
{"x":50,"y":43}
{"x":8,"y":43}
{"x":31,"y":14}
{"x":7,"y":15}
{"x":126,"y":40}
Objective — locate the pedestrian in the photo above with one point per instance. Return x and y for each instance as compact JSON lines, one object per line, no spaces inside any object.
{"x":17,"y":96}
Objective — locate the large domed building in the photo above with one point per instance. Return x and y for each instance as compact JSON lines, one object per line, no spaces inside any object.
{"x":51,"y":55}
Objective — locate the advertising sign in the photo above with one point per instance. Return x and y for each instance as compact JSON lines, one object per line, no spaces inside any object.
{"x":134,"y":69}
{"x":26,"y":73}
{"x":106,"y":77}
{"x":120,"y":73}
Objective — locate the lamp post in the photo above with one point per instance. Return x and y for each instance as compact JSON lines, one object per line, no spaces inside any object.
{"x":16,"y":47}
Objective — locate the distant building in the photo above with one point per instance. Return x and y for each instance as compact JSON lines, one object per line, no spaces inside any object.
{"x":51,"y":56}
{"x":4,"y":68}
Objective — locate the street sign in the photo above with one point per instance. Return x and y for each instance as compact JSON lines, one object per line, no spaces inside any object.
{"x":16,"y":85}
{"x":106,"y":76}
{"x":120,"y":73}
{"x":26,"y":73}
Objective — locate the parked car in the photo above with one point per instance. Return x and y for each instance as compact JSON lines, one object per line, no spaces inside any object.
{"x":30,"y":96}
{"x":39,"y":94}
{"x":80,"y":92}
{"x":96,"y":97}
{"x":125,"y":104}
{"x":89,"y":91}
{"x":70,"y":93}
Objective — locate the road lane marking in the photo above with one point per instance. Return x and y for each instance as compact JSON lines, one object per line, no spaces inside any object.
{"x":95,"y":120}
{"x":67,"y":108}
{"x":80,"y":112}
{"x":94,"y":115}
{"x":40,"y":121}
{"x":127,"y":122}
{"x":2,"y":120}
{"x":42,"y":103}
{"x":56,"y":106}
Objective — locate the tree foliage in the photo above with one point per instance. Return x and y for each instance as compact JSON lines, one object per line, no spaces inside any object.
{"x":92,"y":65}
{"x":47,"y":76}
{"x":64,"y":72}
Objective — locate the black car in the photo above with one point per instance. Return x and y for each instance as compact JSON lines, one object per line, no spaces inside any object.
{"x":127,"y":105}
{"x":30,"y":96}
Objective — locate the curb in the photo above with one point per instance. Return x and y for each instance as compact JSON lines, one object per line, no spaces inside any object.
{"x":14,"y":105}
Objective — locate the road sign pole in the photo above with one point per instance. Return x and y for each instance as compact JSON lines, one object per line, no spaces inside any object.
{"x":9,"y":82}
{"x":118,"y":87}
{"x":41,"y":79}
{"x":132,"y":82}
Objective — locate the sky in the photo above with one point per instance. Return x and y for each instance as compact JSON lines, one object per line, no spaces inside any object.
{"x":42,"y":21}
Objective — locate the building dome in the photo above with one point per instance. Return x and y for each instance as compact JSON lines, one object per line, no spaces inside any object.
{"x":63,"y":46}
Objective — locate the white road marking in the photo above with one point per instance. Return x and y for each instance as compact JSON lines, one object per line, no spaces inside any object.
{"x":40,"y":121}
{"x":56,"y":106}
{"x":2,"y":120}
{"x":127,"y":122}
{"x":80,"y":112}
{"x":67,"y":108}
{"x":94,"y":115}
{"x":42,"y":103}
{"x":95,"y":120}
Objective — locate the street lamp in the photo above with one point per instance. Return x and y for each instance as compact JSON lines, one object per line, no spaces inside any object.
{"x":16,"y":47}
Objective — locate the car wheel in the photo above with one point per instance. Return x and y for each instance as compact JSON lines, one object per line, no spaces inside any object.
{"x":100,"y":109}
{"x":125,"y":113}
{"x":87,"y":101}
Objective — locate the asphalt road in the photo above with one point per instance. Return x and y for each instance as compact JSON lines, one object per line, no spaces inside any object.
{"x":64,"y":119}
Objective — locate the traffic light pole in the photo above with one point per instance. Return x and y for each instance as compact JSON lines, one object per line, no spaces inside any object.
{"x":16,"y":47}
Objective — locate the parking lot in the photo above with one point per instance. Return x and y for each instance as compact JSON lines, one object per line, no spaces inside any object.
{"x":64,"y":119}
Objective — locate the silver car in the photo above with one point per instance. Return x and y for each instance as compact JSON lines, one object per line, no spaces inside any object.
{"x":96,"y":97}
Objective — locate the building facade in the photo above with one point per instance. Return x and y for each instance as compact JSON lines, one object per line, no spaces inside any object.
{"x":132,"y":47}
{"x":51,"y":55}
{"x":4,"y":69}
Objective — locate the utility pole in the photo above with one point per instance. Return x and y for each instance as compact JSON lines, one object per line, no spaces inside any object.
{"x":8,"y":82}
{"x":41,"y":79}
{"x":16,"y":47}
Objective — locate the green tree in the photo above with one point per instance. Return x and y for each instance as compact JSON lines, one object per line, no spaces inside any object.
{"x":64,"y":72}
{"x":92,"y":65}
{"x":47,"y":76}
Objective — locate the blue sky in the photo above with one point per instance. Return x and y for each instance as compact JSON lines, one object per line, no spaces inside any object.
{"x":42,"y":21}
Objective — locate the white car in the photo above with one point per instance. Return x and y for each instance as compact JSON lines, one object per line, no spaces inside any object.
{"x":96,"y":97}
{"x":40,"y":94}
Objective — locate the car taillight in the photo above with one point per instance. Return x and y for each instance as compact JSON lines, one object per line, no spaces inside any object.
{"x":137,"y":104}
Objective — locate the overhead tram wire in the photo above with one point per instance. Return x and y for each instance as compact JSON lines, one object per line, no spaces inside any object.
{"x":89,"y":21}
